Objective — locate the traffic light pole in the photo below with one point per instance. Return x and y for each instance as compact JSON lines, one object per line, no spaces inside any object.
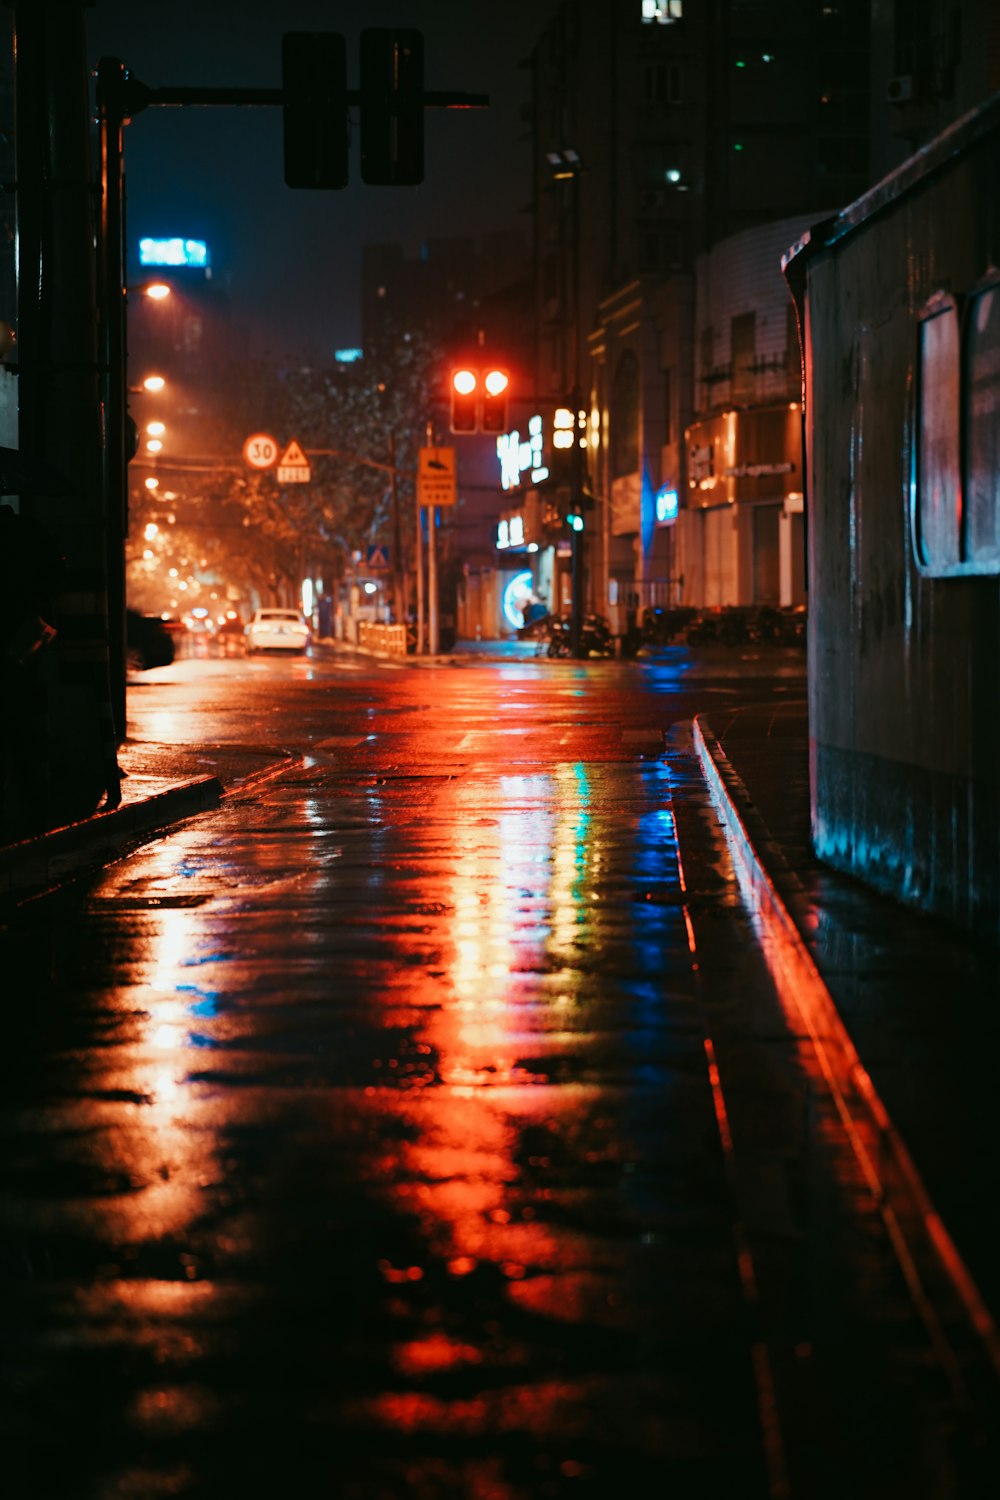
{"x":433,"y":623}
{"x":398,"y":591}
{"x":576,"y":466}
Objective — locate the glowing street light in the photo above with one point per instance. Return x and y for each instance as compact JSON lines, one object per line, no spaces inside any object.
{"x":153,"y":383}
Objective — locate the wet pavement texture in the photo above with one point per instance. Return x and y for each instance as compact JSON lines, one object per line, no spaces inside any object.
{"x":424,"y":1123}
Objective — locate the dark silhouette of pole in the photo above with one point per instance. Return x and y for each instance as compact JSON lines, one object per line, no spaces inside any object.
{"x":59,"y":401}
{"x":576,"y":457}
{"x":111,"y":82}
{"x":398,"y":592}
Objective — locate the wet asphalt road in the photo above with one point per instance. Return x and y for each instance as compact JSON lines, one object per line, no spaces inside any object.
{"x":425,"y":1124}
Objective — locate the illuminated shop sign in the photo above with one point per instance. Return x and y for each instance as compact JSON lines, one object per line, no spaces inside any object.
{"x":667,"y":505}
{"x":523,"y":458}
{"x":516,"y":596}
{"x":173,"y":252}
{"x":542,"y":454}
{"x":745,"y":455}
{"x":510,"y":531}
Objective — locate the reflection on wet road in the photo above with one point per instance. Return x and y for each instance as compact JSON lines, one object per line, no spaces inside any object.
{"x":365,"y":1141}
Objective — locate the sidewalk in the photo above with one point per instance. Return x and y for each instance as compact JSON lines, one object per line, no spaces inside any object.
{"x":161,"y":785}
{"x":902,"y":1007}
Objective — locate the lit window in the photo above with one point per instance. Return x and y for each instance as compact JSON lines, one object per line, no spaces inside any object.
{"x":661,"y":12}
{"x":956,"y":493}
{"x":982,"y":427}
{"x":938,"y":459}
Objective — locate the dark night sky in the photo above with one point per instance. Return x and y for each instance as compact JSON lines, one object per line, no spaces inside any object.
{"x":293,"y":258}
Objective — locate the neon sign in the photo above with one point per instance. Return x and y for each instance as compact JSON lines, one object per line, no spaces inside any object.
{"x":523,"y":456}
{"x":510,"y":532}
{"x":173,"y":252}
{"x":515,"y":596}
{"x":667,"y":505}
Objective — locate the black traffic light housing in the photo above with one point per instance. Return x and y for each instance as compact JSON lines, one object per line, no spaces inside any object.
{"x":392,"y":106}
{"x":495,"y":389}
{"x":464,"y":399}
{"x":479,"y":398}
{"x":314,"y":86}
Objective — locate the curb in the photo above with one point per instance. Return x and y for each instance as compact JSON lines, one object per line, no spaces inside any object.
{"x":771,"y":890}
{"x":37,"y":862}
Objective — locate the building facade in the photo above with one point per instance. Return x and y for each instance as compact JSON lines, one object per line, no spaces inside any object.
{"x":661,"y":131}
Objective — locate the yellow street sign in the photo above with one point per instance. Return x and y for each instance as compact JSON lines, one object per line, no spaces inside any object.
{"x":293,"y":466}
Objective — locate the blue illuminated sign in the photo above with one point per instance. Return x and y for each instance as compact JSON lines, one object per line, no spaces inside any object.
{"x":515,"y":596}
{"x":173,"y":252}
{"x":667,"y":505}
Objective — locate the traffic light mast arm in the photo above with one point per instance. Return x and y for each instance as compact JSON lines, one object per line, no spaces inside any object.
{"x":137,"y":97}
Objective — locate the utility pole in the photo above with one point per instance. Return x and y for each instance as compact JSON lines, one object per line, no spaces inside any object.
{"x":433,"y":622}
{"x":418,"y":563}
{"x":398,"y":588}
{"x":576,"y":464}
{"x":59,"y":411}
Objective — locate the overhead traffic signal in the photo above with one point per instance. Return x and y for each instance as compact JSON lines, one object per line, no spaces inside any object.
{"x":464,"y":400}
{"x":314,"y":89}
{"x":479,"y":399}
{"x":392,"y":106}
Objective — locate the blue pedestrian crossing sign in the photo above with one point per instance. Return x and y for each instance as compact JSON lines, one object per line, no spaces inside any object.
{"x":377,"y":558}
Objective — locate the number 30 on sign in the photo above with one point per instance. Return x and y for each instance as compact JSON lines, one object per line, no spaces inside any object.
{"x":260,"y":450}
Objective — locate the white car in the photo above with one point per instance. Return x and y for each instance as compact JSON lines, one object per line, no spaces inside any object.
{"x":277,"y":630}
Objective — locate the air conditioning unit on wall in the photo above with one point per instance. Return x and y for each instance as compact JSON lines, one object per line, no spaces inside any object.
{"x":900,"y":90}
{"x":651,"y":199}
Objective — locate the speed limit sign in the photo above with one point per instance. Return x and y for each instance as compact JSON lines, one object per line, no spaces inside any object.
{"x":260,"y":450}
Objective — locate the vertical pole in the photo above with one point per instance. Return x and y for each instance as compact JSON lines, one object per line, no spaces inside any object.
{"x":398,"y":603}
{"x":114,"y":394}
{"x":576,"y":465}
{"x":433,"y":623}
{"x":60,"y":409}
{"x":418,"y":560}
{"x":433,"y":616}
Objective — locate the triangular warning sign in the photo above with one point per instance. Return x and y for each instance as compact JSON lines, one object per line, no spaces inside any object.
{"x":293,"y":457}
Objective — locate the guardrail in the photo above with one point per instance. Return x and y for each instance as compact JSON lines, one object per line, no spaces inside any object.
{"x":389,"y":639}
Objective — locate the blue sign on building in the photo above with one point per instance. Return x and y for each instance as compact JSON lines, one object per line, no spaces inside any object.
{"x":173,"y":252}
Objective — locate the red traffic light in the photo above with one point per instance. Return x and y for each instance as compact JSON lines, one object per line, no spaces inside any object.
{"x":479,"y":399}
{"x":496,"y":384}
{"x":464,"y":400}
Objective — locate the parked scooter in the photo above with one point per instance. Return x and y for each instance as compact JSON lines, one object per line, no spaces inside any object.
{"x":558,"y":636}
{"x":595,"y":637}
